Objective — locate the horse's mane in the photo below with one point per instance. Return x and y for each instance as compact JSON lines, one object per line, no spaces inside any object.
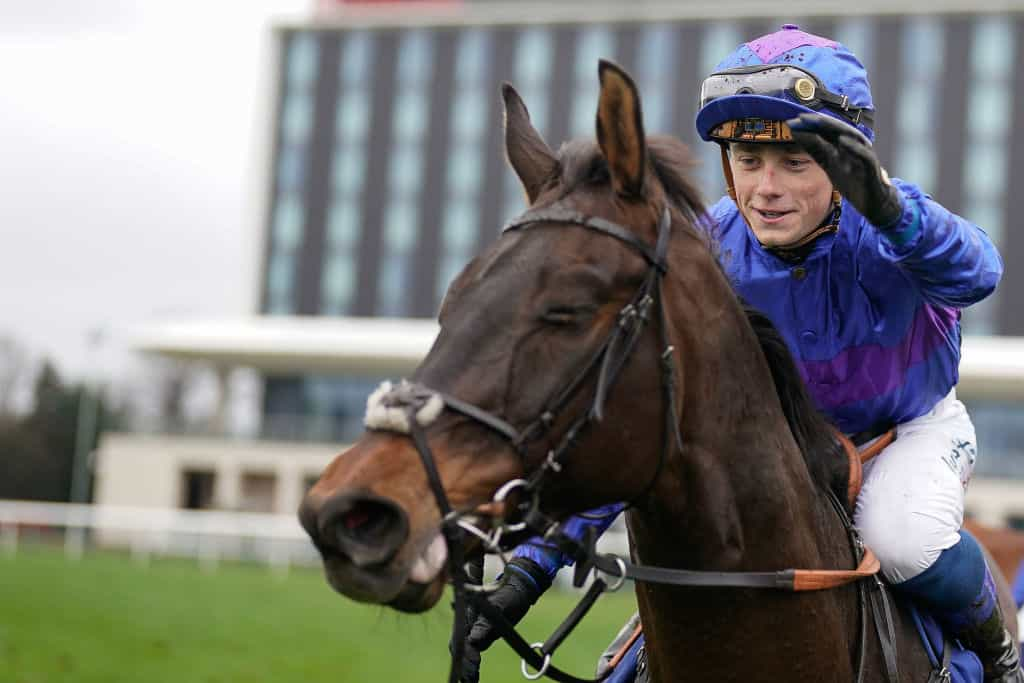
{"x":581,"y":162}
{"x":814,"y":434}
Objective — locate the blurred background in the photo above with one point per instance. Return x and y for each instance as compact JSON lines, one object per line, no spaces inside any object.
{"x":225,"y":222}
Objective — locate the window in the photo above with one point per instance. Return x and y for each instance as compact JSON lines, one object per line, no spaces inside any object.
{"x":720,"y":38}
{"x":348,"y":171}
{"x":302,"y":55}
{"x":924,"y":49}
{"x":657,"y":67}
{"x":197,"y":489}
{"x":986,"y":167}
{"x":257,"y":494}
{"x":465,"y":156}
{"x":592,"y":43}
{"x":857,"y":34}
{"x":410,"y":117}
{"x":534,"y":55}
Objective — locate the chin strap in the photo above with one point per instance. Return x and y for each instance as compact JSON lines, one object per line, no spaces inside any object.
{"x":793,"y":252}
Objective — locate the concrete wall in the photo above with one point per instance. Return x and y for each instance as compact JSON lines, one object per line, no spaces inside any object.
{"x":148,"y":471}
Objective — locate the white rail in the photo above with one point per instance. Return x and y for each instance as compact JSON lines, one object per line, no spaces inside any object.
{"x":207,"y":535}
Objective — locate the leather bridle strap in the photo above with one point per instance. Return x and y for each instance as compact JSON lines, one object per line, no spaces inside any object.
{"x":481,"y":416}
{"x":453,"y":537}
{"x":794,"y":580}
{"x":561,"y":214}
{"x":540,"y":660}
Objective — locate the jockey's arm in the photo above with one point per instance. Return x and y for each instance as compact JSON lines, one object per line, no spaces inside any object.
{"x":549,"y":558}
{"x":951,"y":260}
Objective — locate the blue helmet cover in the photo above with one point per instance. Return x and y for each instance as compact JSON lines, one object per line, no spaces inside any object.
{"x":836,"y":67}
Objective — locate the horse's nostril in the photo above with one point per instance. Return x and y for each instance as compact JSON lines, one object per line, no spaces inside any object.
{"x":368,"y":520}
{"x":364,"y":527}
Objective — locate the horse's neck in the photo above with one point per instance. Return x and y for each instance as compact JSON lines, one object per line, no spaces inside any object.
{"x":735,"y":496}
{"x":739,"y":497}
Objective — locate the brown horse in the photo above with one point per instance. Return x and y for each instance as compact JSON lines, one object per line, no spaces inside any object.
{"x":1005,"y":545}
{"x":523,"y":333}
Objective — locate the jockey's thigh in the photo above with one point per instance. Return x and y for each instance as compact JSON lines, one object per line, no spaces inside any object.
{"x":911,"y":504}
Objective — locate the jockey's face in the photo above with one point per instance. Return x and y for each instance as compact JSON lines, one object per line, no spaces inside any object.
{"x":781,"y":191}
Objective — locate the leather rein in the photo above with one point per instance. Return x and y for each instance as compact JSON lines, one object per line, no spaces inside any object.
{"x":608,"y":361}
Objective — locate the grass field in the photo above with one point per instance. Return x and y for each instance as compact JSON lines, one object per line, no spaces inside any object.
{"x":108,"y":619}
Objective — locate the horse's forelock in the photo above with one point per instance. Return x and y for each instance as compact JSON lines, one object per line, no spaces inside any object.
{"x":580,"y":162}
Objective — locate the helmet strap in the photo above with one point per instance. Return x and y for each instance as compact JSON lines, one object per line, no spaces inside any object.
{"x":730,"y":184}
{"x":797,"y":251}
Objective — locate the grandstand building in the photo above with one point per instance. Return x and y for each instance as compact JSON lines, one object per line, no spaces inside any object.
{"x":385,"y":174}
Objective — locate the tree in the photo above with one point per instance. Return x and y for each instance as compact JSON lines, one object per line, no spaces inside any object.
{"x":37,"y":450}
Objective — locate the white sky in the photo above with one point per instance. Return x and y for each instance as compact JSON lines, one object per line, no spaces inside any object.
{"x":132,"y":150}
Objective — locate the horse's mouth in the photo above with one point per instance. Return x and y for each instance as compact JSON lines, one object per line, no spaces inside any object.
{"x":414,"y":588}
{"x":419,"y":597}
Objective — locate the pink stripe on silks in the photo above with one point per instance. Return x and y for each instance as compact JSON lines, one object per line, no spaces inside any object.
{"x":874,"y":370}
{"x":771,"y":46}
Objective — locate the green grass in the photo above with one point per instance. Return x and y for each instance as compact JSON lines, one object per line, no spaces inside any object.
{"x":107,"y":619}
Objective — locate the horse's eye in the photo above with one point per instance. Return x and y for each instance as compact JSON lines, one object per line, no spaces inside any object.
{"x":567,"y":315}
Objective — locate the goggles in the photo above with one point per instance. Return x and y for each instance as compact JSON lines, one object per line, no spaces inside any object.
{"x":753,"y":130}
{"x":782,"y":82}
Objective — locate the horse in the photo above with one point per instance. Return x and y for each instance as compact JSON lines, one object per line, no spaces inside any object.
{"x":728,"y":468}
{"x":1006,"y":545}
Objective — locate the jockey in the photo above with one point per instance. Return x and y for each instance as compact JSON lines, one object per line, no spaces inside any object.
{"x":865,"y":278}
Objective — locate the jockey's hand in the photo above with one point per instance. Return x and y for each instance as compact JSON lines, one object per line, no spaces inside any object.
{"x":851,"y":165}
{"x":522,"y":584}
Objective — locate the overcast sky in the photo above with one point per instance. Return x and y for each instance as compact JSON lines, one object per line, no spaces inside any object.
{"x":132,"y":145}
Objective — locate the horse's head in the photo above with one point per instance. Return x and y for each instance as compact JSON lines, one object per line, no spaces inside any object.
{"x":535,"y":333}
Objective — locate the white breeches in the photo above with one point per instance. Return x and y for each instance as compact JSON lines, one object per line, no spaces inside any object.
{"x":911,"y":505}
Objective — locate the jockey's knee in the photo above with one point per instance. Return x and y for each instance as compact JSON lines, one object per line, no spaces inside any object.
{"x":906,"y":543}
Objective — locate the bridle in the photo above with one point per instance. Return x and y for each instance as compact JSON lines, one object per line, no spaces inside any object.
{"x":607,"y":361}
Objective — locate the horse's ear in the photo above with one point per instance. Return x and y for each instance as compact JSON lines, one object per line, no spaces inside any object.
{"x":620,"y":129}
{"x":527,"y":152}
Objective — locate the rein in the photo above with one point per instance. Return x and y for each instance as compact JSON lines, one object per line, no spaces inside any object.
{"x":608,"y":361}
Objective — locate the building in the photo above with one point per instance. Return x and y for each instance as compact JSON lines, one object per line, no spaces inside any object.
{"x":386,"y":173}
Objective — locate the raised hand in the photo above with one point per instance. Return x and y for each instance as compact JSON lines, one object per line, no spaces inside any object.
{"x":850,"y":162}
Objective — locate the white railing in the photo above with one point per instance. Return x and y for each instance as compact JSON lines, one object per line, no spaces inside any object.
{"x":209,"y":536}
